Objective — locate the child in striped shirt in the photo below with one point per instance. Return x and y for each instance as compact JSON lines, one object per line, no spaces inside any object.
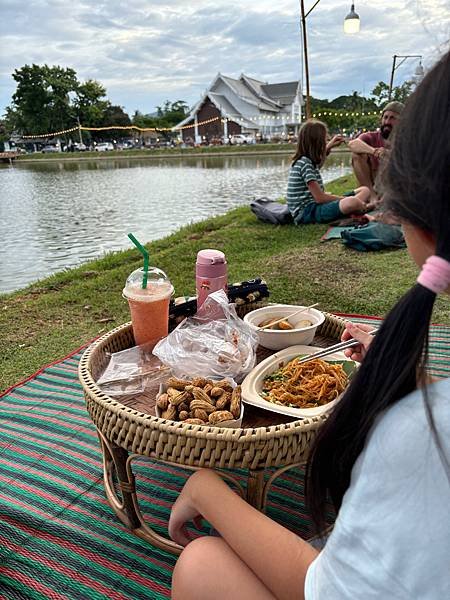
{"x":307,"y":201}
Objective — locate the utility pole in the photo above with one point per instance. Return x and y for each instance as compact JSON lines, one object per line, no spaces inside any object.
{"x":394,"y":67}
{"x":305,"y":50}
{"x":79,"y":130}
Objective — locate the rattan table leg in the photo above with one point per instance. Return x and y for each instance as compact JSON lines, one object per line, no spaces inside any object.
{"x":115,"y":462}
{"x":127,"y":508}
{"x":255,"y":488}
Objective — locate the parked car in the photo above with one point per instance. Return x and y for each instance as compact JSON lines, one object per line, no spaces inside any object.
{"x":104,"y":147}
{"x":79,"y":147}
{"x":50,"y":148}
{"x":242,"y":138}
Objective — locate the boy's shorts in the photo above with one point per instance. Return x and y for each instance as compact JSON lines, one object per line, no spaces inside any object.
{"x":320,"y":213}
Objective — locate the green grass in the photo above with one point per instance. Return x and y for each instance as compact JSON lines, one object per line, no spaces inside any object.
{"x":50,"y":318}
{"x":154,"y":152}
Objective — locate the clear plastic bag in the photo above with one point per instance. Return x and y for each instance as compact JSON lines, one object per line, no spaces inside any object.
{"x":213,"y":343}
{"x":129,"y":372}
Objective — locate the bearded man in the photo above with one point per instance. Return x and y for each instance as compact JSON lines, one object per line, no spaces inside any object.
{"x":368,"y":148}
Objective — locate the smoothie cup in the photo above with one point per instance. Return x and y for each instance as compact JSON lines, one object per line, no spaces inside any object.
{"x":149,"y":306}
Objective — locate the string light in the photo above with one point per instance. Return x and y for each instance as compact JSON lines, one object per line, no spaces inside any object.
{"x":258,"y":118}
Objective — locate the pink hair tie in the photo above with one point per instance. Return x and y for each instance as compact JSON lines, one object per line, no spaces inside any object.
{"x":435,"y":274}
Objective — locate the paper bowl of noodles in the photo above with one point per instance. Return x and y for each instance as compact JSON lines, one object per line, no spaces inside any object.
{"x":280,"y":384}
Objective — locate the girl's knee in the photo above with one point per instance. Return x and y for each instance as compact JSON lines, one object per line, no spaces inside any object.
{"x":363,"y":193}
{"x":190,"y":574}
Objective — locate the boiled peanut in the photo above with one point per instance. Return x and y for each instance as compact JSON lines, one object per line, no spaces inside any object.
{"x":220,"y":415}
{"x":170,"y":413}
{"x":207,"y":388}
{"x":201,"y":404}
{"x":194,"y":421}
{"x":222,"y":401}
{"x":163,"y":401}
{"x":178,"y":384}
{"x":180,"y":398}
{"x":235,"y":404}
{"x":216,"y":392}
{"x":183,"y":415}
{"x":200,"y":394}
{"x":199,"y":381}
{"x":200,"y":414}
{"x":224,"y":384}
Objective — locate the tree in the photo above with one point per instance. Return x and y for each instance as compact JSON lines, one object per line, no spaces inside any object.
{"x":171,"y":113}
{"x":115,"y":115}
{"x":90,"y":103}
{"x":400,"y":92}
{"x":41,"y":103}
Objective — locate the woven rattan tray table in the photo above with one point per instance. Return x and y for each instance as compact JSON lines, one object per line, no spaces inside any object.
{"x":265,"y":441}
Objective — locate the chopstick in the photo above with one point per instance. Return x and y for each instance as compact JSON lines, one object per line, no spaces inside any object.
{"x":287,"y":317}
{"x":331,"y":349}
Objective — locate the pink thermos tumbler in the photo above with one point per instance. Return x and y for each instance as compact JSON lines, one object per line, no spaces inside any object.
{"x":210,"y":274}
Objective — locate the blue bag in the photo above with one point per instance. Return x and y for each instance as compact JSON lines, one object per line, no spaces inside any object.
{"x":374,"y":236}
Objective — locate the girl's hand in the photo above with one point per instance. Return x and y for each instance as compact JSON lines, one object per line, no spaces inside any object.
{"x":336,"y":140}
{"x":184,"y":509}
{"x":359,"y":332}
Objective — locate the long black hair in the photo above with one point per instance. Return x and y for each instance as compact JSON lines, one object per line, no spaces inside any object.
{"x":416,"y":189}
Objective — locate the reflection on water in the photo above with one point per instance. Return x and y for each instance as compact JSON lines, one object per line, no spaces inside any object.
{"x":57,"y":215}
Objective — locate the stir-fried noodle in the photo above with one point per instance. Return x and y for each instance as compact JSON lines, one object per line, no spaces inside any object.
{"x":305,"y":385}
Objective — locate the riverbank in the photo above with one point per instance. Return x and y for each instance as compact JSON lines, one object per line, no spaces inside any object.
{"x":50,"y":318}
{"x":151,"y":153}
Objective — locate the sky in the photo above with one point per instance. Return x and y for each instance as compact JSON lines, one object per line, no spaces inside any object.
{"x":147,"y":51}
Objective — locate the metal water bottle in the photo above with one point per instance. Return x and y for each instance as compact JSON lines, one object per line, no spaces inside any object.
{"x":210,"y":273}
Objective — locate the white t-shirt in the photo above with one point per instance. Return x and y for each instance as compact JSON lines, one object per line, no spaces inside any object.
{"x":391,"y":540}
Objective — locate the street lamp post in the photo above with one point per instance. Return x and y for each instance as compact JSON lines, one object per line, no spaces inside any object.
{"x":351,"y":25}
{"x":396,"y":66}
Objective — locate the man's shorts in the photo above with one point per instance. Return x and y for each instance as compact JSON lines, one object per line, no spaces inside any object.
{"x":320,"y":213}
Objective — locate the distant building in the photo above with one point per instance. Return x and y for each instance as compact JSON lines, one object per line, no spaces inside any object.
{"x":245,"y":105}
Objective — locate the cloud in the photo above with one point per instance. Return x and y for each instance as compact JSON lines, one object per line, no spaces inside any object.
{"x":147,"y":51}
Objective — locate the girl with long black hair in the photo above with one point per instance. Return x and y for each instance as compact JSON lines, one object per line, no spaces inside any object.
{"x":383,"y":455}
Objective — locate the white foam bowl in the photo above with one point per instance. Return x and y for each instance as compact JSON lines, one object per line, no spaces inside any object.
{"x":277,"y":339}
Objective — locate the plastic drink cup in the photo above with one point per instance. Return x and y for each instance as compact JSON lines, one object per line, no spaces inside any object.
{"x":210,"y":274}
{"x":149,"y":306}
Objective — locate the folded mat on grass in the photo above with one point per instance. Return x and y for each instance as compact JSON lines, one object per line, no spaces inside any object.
{"x":60,"y":538}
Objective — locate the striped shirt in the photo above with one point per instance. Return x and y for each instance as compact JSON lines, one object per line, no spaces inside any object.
{"x":298,"y":194}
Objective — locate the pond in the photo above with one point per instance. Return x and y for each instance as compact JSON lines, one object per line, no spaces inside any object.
{"x":57,"y":215}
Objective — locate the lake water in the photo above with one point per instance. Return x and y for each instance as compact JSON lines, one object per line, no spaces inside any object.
{"x":60,"y":214}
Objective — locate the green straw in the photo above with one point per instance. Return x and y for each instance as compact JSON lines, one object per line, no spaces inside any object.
{"x":144,"y":253}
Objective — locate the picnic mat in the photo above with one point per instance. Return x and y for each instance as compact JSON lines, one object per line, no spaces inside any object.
{"x":60,"y":538}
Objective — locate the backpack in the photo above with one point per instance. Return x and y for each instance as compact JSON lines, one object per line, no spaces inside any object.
{"x":270,"y":211}
{"x":374,"y":236}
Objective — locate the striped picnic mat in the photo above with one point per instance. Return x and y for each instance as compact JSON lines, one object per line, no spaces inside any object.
{"x":60,"y":539}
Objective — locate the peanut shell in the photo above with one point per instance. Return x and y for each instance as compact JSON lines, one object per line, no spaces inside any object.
{"x":222,"y":402}
{"x":235,"y":404}
{"x":200,"y":414}
{"x":201,"y":404}
{"x":170,"y":413}
{"x":220,"y":415}
{"x":162,"y":401}
{"x":216,"y":392}
{"x":200,"y":394}
{"x":199,"y":381}
{"x":178,"y":384}
{"x":180,"y":398}
{"x":194,"y":421}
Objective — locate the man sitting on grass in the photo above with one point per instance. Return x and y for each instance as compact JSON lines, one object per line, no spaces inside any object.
{"x":368,"y":148}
